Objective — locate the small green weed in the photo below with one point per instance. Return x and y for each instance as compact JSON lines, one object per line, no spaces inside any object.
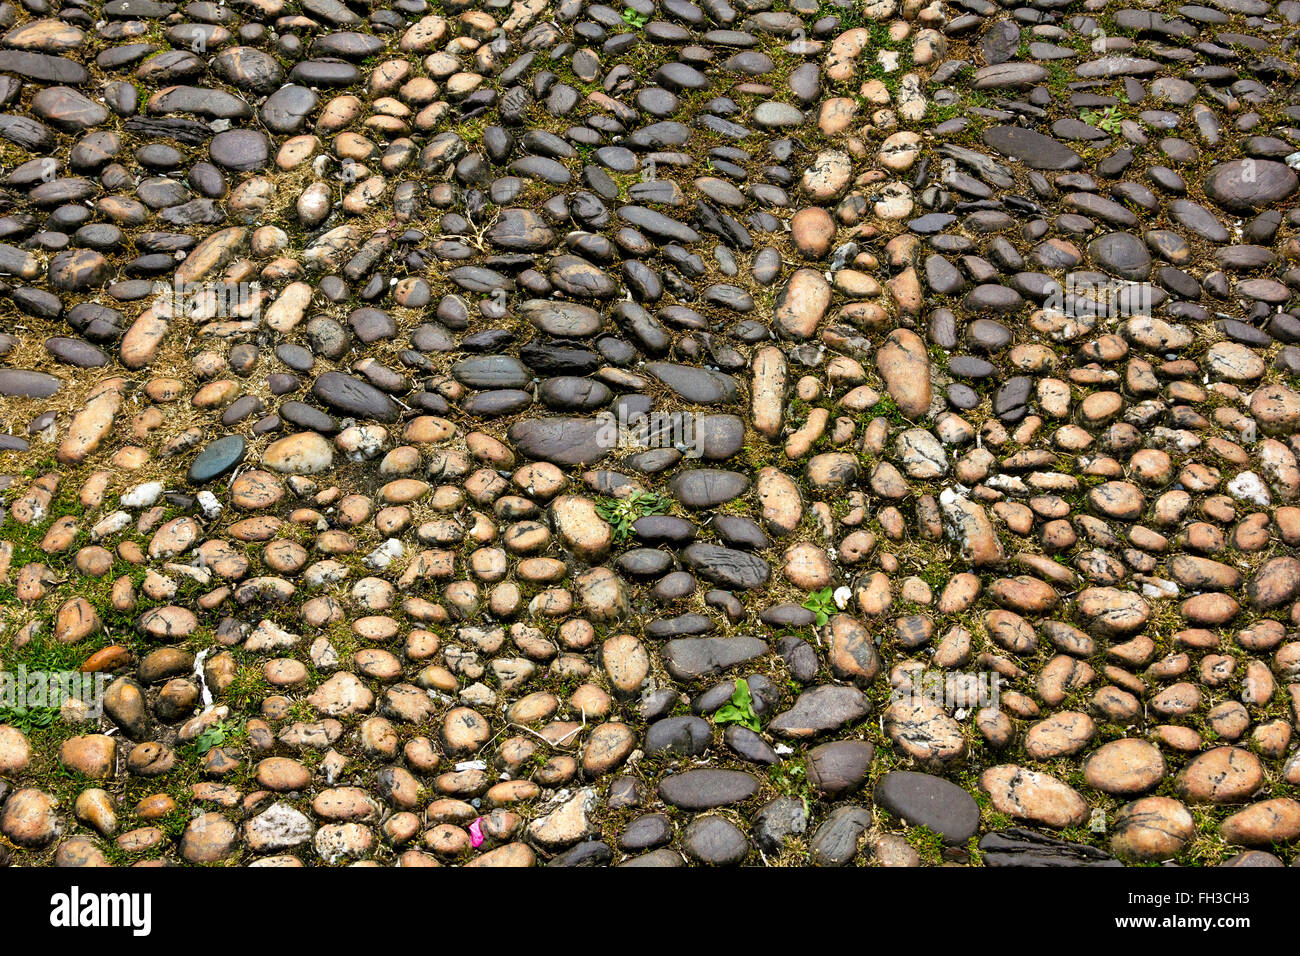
{"x":740,"y":709}
{"x":215,"y":736}
{"x":27,"y":719}
{"x":1107,"y":121}
{"x":623,"y":512}
{"x":821,"y":603}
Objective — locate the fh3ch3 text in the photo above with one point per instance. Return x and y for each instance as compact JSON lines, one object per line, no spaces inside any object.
{"x":1202,"y":898}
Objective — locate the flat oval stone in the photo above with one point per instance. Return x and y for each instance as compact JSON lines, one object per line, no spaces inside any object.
{"x":562,"y":319}
{"x":706,"y":789}
{"x":684,"y":736}
{"x":727,"y":567}
{"x":708,"y":488}
{"x":76,"y":352}
{"x":663,"y":529}
{"x":351,"y":396}
{"x":286,"y":110}
{"x":240,"y":150}
{"x":922,"y":799}
{"x":715,"y":841}
{"x":491,"y":371}
{"x":564,"y":441}
{"x":700,"y":386}
{"x":1243,"y":185}
{"x":22,"y":383}
{"x":217,"y":458}
{"x":1035,"y":150}
{"x":688,"y":658}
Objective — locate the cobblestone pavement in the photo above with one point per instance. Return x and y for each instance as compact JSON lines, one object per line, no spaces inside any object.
{"x":473,"y":432}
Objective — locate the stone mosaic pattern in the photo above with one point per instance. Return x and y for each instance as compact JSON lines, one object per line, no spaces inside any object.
{"x":474,"y":432}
